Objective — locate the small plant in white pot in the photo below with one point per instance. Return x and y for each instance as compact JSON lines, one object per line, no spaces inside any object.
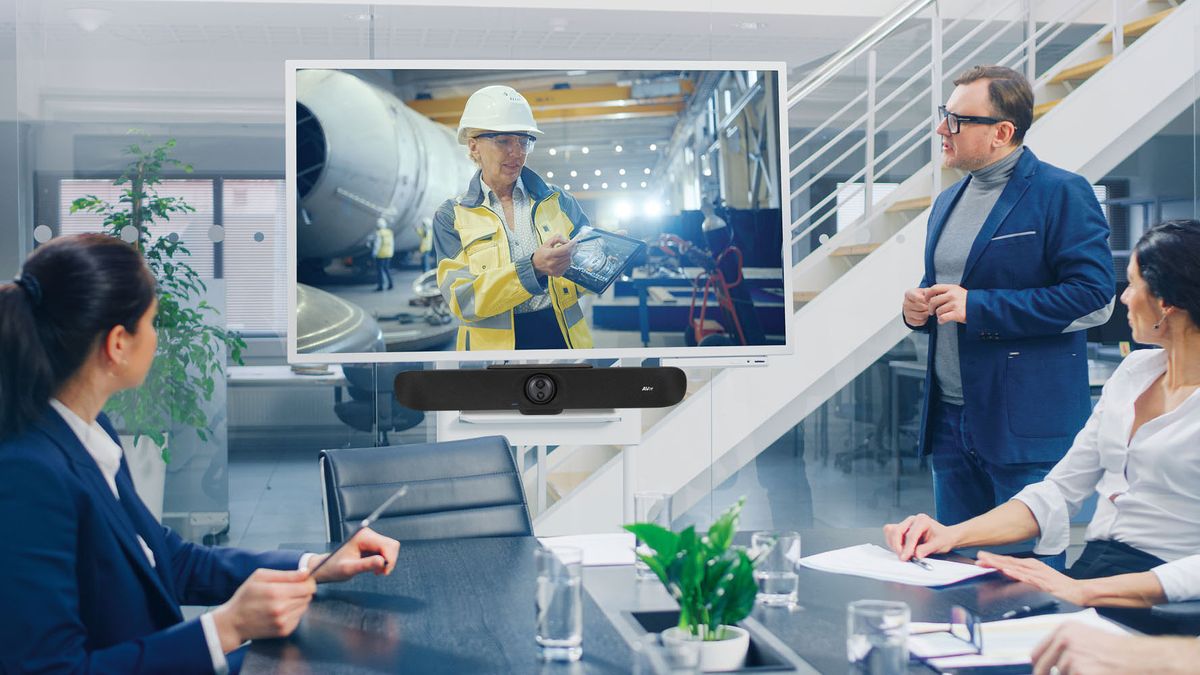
{"x":713,"y":582}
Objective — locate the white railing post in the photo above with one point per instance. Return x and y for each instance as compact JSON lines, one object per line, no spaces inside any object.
{"x":869,"y":185}
{"x":1030,"y":42}
{"x":540,"y":495}
{"x":1118,"y":29}
{"x":935,"y":98}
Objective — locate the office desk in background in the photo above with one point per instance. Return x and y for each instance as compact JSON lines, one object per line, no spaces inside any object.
{"x":466,"y":606}
{"x":282,"y":376}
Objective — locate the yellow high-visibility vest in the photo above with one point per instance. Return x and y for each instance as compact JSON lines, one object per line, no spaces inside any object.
{"x":481,"y":283}
{"x":387,"y":242}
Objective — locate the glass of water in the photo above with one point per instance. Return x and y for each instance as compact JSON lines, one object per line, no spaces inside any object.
{"x":559,"y":603}
{"x":678,"y":656}
{"x":649,"y":507}
{"x":777,"y":554}
{"x":877,"y":637}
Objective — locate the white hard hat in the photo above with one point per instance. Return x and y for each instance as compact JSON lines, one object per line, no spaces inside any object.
{"x":497,"y":108}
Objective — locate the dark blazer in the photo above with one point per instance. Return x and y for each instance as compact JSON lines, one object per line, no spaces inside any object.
{"x":1039,"y":270}
{"x":77,"y":593}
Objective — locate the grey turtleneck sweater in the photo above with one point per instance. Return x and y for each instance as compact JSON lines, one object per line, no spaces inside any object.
{"x":950,"y":258}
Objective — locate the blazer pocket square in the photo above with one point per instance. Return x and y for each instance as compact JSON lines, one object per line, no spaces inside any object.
{"x":1015,"y":234}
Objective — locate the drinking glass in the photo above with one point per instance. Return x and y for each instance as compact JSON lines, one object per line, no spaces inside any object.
{"x":668,"y":656}
{"x":559,"y":603}
{"x":649,"y":507}
{"x":777,"y":554}
{"x":877,"y":637}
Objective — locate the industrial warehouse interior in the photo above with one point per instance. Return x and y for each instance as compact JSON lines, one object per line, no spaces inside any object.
{"x":745,"y":192}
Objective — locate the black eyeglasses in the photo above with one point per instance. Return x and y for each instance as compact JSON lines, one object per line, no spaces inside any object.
{"x":954,"y":120}
{"x":962,"y":637}
{"x":510,"y":141}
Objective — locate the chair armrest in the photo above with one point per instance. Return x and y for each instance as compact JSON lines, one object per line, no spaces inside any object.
{"x":1178,"y":611}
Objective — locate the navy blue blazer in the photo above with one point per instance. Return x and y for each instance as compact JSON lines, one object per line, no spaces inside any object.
{"x":77,"y":593}
{"x":1040,"y":269}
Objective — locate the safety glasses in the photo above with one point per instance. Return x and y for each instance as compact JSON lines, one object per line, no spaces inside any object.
{"x":510,"y":141}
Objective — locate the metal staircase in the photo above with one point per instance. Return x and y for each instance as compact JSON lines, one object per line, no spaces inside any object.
{"x":849,"y":276}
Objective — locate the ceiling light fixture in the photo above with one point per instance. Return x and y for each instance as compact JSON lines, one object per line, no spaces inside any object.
{"x":90,"y":19}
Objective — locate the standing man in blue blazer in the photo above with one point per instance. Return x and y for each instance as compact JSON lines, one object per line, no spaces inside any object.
{"x":1017,"y":267}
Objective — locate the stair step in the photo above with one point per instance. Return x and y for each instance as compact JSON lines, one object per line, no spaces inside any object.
{"x":1043,"y":108}
{"x":1083,"y":71}
{"x":914,"y":204}
{"x":853,"y":250}
{"x":560,"y":483}
{"x":804,"y":297}
{"x":1138,"y":28}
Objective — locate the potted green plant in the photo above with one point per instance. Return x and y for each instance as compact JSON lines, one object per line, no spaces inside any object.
{"x":191,"y":342}
{"x":713,"y":582}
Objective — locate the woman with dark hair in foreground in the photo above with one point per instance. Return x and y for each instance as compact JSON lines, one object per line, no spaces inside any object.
{"x":1140,"y":451}
{"x":91,"y":581}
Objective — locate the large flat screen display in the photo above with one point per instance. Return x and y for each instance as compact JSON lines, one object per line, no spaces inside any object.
{"x":484,"y":211}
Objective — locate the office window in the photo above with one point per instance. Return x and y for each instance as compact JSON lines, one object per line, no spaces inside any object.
{"x":192,"y":228}
{"x":254,"y":255}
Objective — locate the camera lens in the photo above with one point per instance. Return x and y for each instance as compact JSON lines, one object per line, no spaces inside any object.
{"x":539,"y":389}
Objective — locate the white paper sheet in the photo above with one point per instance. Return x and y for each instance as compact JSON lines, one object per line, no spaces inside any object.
{"x":599,"y":550}
{"x":874,"y":562}
{"x":1011,"y":641}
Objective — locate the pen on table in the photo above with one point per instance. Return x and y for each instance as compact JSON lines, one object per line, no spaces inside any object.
{"x":919,"y":562}
{"x":1028,"y":610}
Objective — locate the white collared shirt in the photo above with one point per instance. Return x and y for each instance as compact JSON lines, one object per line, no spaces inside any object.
{"x":522,"y":240}
{"x":1149,"y":485}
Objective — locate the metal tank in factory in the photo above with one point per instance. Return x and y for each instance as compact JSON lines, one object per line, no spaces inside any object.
{"x":361,"y":154}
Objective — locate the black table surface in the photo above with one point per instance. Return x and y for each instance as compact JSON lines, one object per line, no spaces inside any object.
{"x":451,"y":606}
{"x":466,"y":606}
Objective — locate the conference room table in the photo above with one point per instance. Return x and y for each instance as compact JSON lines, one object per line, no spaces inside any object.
{"x":466,"y":606}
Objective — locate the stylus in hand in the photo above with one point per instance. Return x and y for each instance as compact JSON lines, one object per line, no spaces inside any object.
{"x":366,"y":522}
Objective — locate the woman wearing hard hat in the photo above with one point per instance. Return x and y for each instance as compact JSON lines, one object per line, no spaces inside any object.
{"x":504,"y":244}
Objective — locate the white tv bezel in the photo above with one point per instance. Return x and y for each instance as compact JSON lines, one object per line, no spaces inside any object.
{"x":454,"y":356}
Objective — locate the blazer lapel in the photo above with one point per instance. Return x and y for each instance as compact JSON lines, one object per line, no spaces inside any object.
{"x":1018,"y":183}
{"x":86,"y":468}
{"x":144,"y":522}
{"x":937,"y":222}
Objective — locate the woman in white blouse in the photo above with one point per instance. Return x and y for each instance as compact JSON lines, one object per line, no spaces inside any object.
{"x":1140,"y":450}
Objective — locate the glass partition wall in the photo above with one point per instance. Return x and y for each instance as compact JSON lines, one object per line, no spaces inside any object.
{"x":84,"y":83}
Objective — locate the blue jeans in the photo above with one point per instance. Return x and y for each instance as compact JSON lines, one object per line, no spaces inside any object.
{"x":966,"y":484}
{"x":384,"y":273}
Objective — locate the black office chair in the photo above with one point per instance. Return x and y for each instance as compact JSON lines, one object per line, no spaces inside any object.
{"x":372,"y":405}
{"x":456,"y":489}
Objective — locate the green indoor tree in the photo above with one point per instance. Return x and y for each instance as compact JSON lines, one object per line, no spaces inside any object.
{"x":191,"y":341}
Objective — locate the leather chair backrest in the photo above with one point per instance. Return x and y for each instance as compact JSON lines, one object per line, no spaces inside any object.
{"x":457,"y":489}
